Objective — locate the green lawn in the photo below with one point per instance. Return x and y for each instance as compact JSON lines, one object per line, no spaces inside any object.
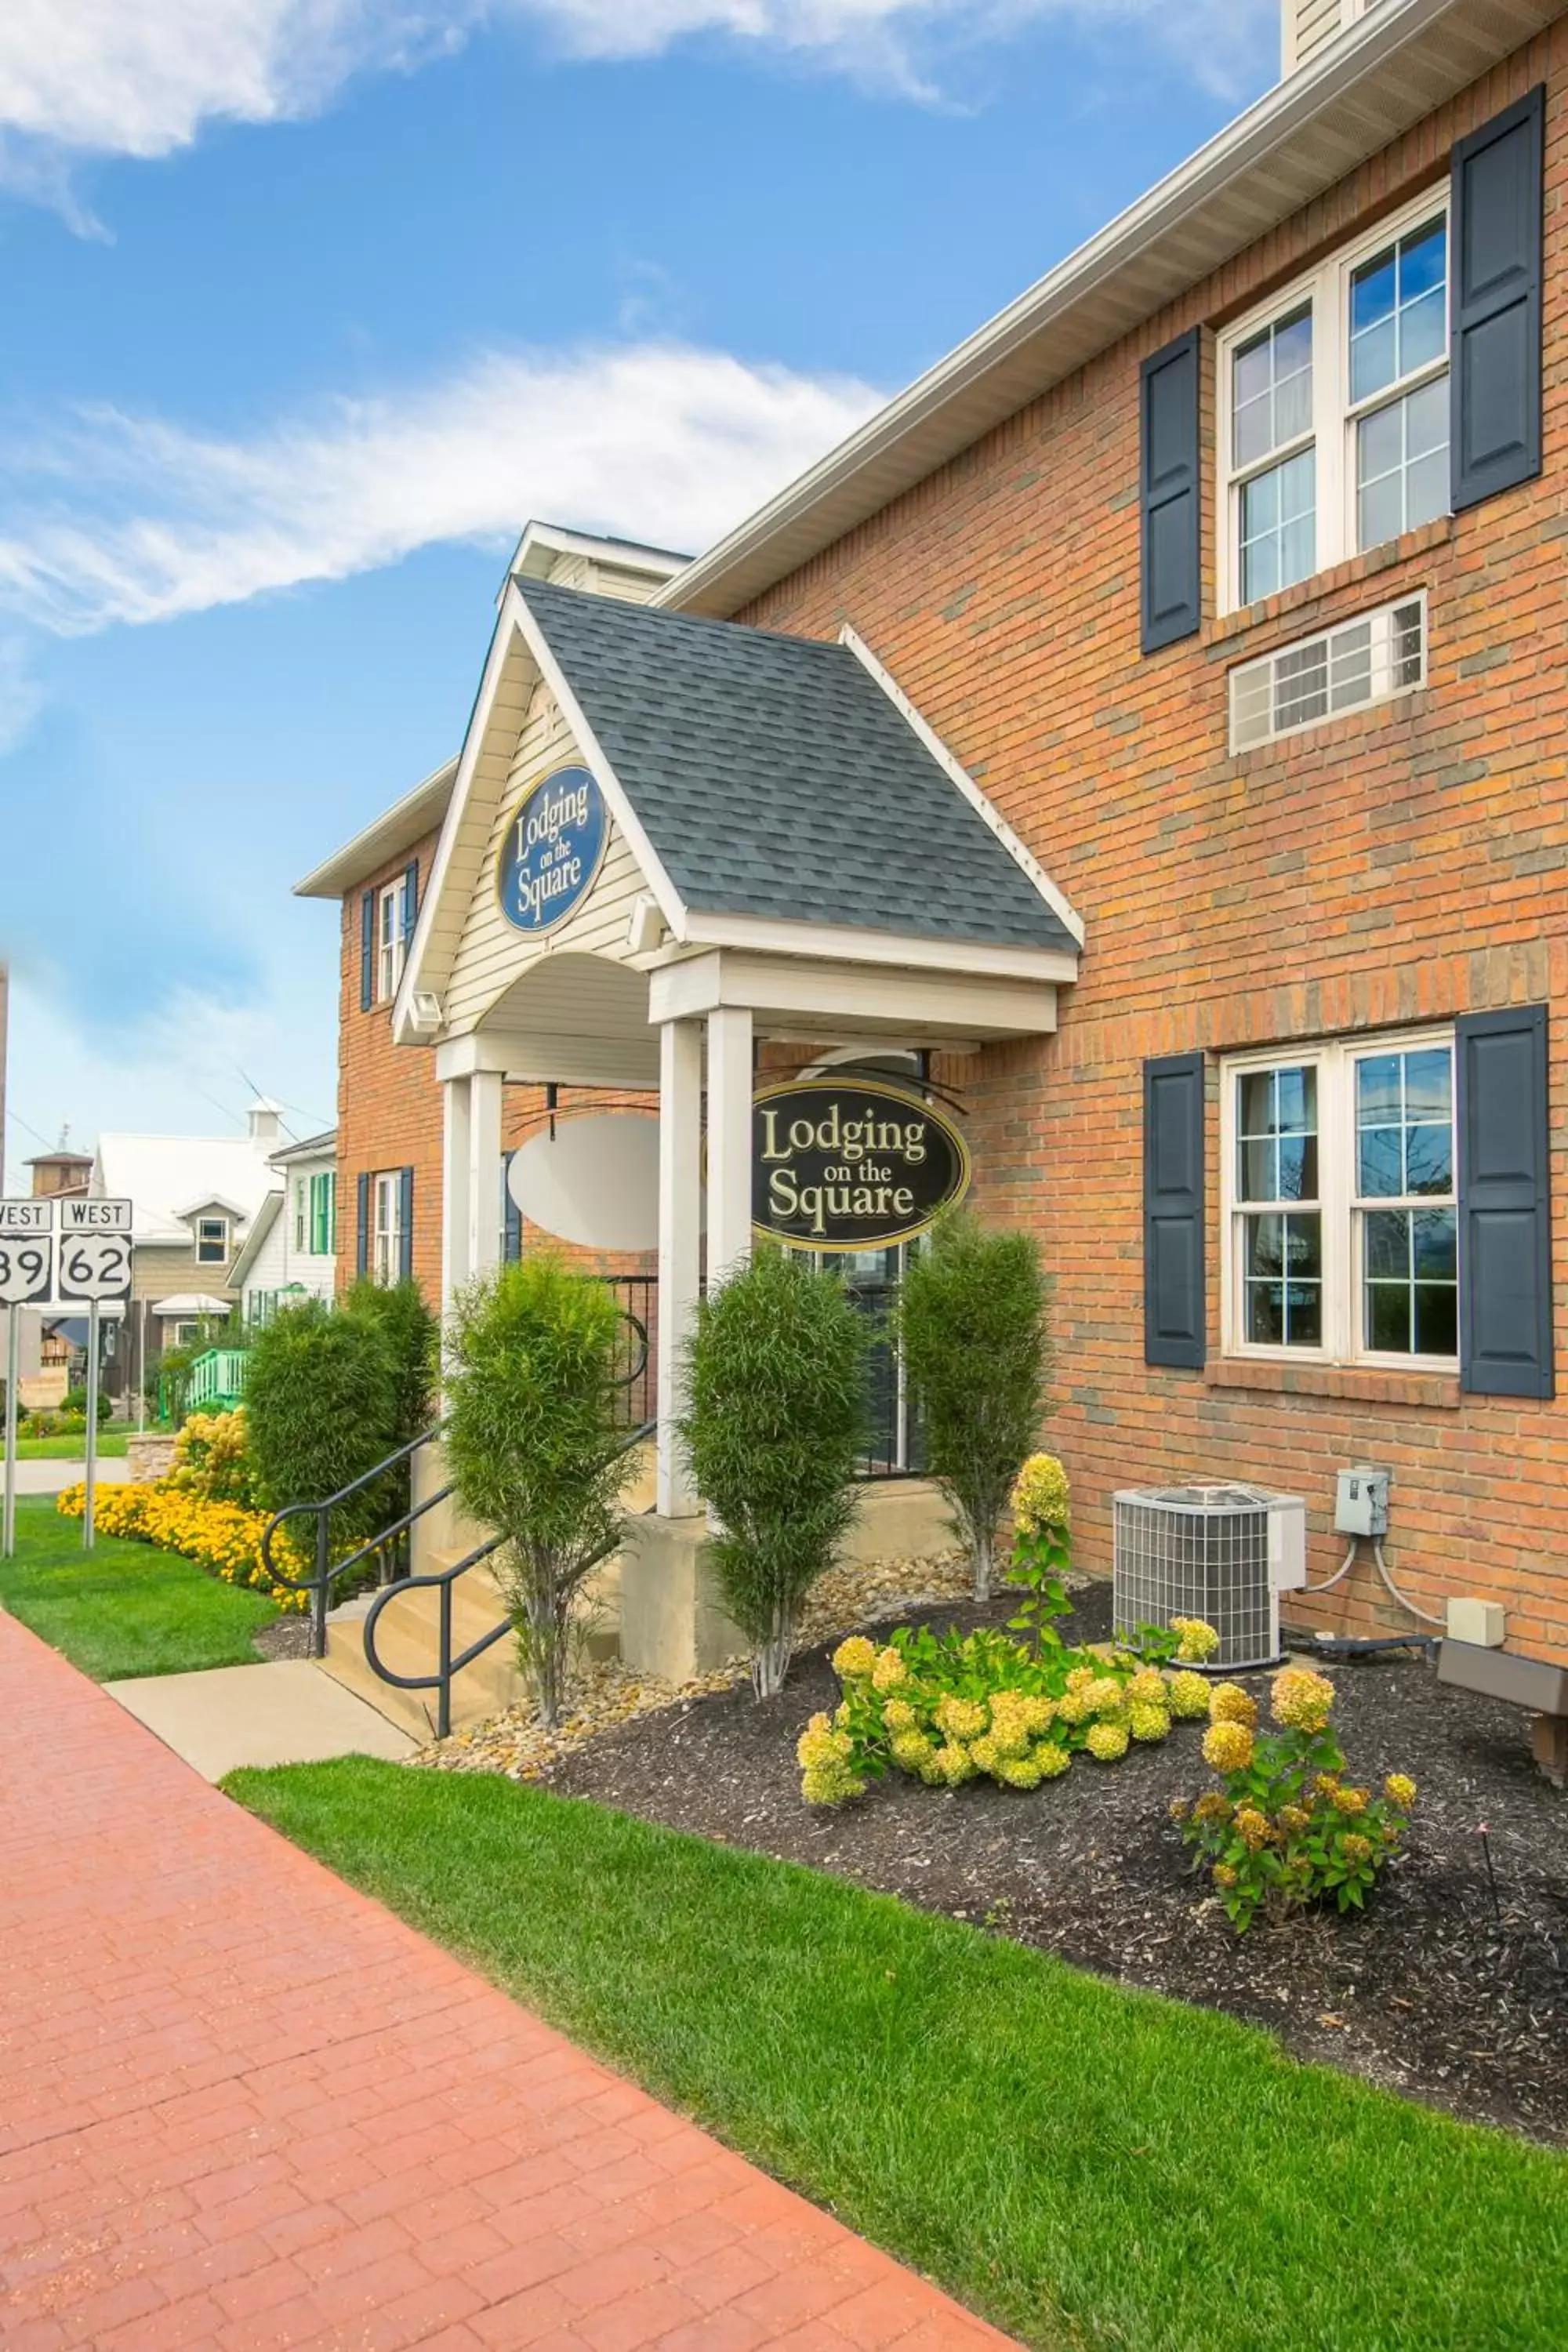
{"x":110,"y":1448}
{"x":123,"y":1609}
{"x":1089,"y":2167}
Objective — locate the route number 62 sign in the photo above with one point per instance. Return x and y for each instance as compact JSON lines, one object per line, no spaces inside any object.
{"x":94,"y":1256}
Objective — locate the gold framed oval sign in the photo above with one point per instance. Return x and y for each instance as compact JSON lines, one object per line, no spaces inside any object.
{"x":850,"y":1164}
{"x":552,"y":850}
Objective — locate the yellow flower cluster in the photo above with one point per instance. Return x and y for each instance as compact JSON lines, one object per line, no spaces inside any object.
{"x":854,"y":1659}
{"x":824,"y":1755}
{"x":1147,"y":1722}
{"x":961,"y":1719}
{"x":1197,"y":1639}
{"x":1228,"y":1703}
{"x":1301,"y":1700}
{"x":220,"y":1537}
{"x":890,"y":1670}
{"x":1187,"y":1696}
{"x":1356,"y":1848}
{"x":1252,"y":1827}
{"x":212,"y":1458}
{"x":1400,"y":1789}
{"x":1042,"y":1497}
{"x":1228,"y":1746}
{"x":1107,"y":1741}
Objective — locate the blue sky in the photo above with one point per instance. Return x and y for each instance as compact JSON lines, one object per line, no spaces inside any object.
{"x":311,"y":303}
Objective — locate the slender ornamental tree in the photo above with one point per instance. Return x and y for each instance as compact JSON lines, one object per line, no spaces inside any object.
{"x":776,"y":1426}
{"x":533,"y":1448}
{"x":973,"y":1324}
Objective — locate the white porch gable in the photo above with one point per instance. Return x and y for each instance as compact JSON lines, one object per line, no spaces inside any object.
{"x":790,"y":855}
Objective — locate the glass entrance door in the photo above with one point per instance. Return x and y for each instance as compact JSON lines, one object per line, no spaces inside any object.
{"x":872,"y":1277}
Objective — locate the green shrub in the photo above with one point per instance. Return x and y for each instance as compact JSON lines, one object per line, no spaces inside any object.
{"x":411,"y":1332}
{"x":533,"y":1449}
{"x":75,"y":1400}
{"x":1284,"y":1830}
{"x":323,"y":1393}
{"x":972,"y":1322}
{"x":774,"y":1428}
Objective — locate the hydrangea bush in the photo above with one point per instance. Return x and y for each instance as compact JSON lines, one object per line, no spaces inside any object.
{"x":950,"y":1707}
{"x":1286,"y":1829}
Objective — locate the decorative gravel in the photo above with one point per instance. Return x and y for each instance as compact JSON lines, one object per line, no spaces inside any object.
{"x":608,"y":1696}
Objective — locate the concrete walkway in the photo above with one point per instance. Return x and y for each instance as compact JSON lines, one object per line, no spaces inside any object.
{"x":54,"y":1477}
{"x":243,"y":2108}
{"x":285,"y":1713}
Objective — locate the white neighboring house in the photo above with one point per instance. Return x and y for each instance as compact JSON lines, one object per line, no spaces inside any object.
{"x":290,"y":1252}
{"x":195,"y":1200}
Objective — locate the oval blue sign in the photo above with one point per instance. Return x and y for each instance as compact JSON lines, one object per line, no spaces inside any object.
{"x":552,"y":849}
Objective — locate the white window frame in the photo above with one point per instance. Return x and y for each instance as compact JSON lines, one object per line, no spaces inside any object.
{"x":301,"y":1215}
{"x":203,"y":1255}
{"x":1334,"y":420}
{"x":390,"y":937}
{"x":1335,"y":1061}
{"x":386,"y":1228}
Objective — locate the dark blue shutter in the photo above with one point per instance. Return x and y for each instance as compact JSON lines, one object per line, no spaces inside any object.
{"x":405,"y":1220}
{"x":1170,"y":494}
{"x":1505,"y":1221}
{"x":367,"y":951}
{"x":410,"y":900}
{"x":1174,"y":1321}
{"x":362,"y":1235}
{"x":512,"y":1215}
{"x":1495,"y":264}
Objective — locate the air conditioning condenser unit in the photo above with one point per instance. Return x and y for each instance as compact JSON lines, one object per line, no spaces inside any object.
{"x":1221,"y":1553}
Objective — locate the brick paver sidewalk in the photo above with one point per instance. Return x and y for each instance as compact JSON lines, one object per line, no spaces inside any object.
{"x":243,"y":2108}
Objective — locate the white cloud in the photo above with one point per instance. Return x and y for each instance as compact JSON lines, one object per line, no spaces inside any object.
{"x":21,"y":695}
{"x":113,"y":518}
{"x":179,"y":1068}
{"x":141,"y":77}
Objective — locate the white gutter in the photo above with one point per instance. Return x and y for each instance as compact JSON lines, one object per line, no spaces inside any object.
{"x":738,"y":567}
{"x":397,"y":828}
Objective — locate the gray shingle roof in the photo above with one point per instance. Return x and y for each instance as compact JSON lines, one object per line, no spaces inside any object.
{"x":775,"y":778}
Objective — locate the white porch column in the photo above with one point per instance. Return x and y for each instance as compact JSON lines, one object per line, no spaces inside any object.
{"x":484,"y":1171}
{"x":729,"y":1140}
{"x":680,"y":1243}
{"x":456,"y":1179}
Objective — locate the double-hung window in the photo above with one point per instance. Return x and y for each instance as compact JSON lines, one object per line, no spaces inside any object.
{"x":212,"y":1241}
{"x":386,"y":1231}
{"x":1342,"y":1221}
{"x":1334,"y":410}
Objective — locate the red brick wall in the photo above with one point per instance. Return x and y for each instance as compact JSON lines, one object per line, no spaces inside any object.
{"x":1403,"y":864}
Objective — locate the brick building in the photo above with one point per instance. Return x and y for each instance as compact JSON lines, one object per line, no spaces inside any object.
{"x":1220,"y":576}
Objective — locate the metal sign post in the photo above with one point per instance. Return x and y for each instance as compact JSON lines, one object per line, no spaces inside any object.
{"x":26,"y":1272}
{"x":93,"y":1271}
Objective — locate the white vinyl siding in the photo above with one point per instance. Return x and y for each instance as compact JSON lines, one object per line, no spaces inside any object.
{"x":491,"y":953}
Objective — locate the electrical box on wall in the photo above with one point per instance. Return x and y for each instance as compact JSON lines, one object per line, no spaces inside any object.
{"x":1360,"y":1503}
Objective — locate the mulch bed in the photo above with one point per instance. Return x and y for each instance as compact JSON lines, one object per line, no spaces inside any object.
{"x":1436,"y":1992}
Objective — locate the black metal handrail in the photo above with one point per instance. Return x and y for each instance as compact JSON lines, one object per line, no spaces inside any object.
{"x":327,"y":1570}
{"x":442,"y":1581}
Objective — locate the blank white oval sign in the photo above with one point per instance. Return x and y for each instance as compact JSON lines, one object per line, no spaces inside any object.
{"x":594,"y":1181}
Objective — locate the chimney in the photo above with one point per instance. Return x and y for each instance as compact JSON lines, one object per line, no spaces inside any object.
{"x":263,"y":1117}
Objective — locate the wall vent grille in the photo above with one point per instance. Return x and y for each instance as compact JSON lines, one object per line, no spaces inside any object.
{"x":1367,"y":660}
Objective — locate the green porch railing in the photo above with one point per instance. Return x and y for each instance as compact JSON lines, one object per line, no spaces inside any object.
{"x":215,"y":1383}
